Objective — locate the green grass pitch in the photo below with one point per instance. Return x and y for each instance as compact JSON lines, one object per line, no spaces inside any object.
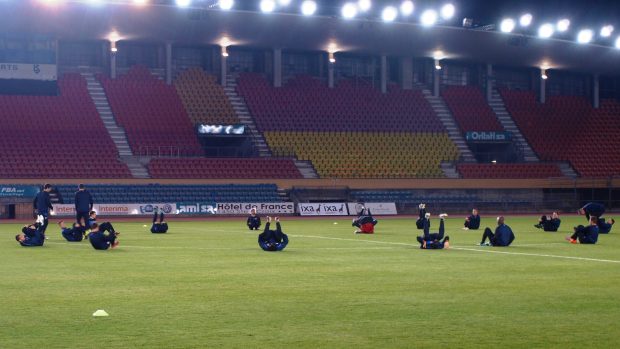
{"x":208,"y":285}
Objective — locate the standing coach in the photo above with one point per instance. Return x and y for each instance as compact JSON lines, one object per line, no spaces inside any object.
{"x":83,"y":205}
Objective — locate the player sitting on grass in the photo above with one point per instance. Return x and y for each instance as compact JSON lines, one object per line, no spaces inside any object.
{"x":473,"y":221}
{"x":32,"y":235}
{"x":547,"y":223}
{"x":161,"y":227}
{"x":272,"y":240}
{"x":422,"y":217}
{"x":592,"y":209}
{"x":75,"y":234}
{"x":604,"y":227}
{"x":253,"y":221}
{"x":503,"y":236}
{"x":99,"y":239}
{"x":585,"y":235}
{"x":364,"y":223}
{"x":434,"y":241}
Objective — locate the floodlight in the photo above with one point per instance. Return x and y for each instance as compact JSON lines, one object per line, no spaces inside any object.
{"x":585,"y":36}
{"x":364,"y":5}
{"x":349,"y":10}
{"x":183,"y":3}
{"x":447,"y":11}
{"x":140,"y":2}
{"x":563,"y":25}
{"x":526,"y":20}
{"x":267,"y":6}
{"x":507,"y":25}
{"x":308,"y":7}
{"x":284,"y":2}
{"x":389,"y":14}
{"x":429,"y":18}
{"x":618,"y":42}
{"x":607,"y":30}
{"x":545,"y":31}
{"x":406,"y":8}
{"x":227,"y":4}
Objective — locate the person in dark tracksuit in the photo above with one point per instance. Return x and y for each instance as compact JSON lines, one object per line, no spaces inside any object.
{"x":365,"y":223}
{"x":585,"y":235}
{"x":604,"y":226}
{"x":159,"y":227}
{"x":74,"y":234}
{"x":99,"y":239}
{"x":434,"y":241}
{"x":43,"y":206}
{"x":549,"y":223}
{"x":422,"y":217}
{"x":592,"y":209}
{"x":253,"y":221}
{"x":83,"y":205}
{"x":92,"y":218}
{"x":31,"y":236}
{"x":502,"y":237}
{"x":473,"y":221}
{"x":272,"y":240}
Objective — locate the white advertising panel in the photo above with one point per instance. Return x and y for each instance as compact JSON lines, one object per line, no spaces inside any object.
{"x":118,"y":209}
{"x":46,"y":72}
{"x":323,"y":209}
{"x":376,"y":208}
{"x":262,"y":208}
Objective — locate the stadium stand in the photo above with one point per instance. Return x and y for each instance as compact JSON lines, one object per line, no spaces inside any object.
{"x":157,"y":193}
{"x":351,"y":131}
{"x":56,"y":136}
{"x":151,"y":112}
{"x":367,"y":154}
{"x":204,"y":99}
{"x":512,"y":171}
{"x":567,"y":128}
{"x":470,"y":109}
{"x":223,"y":168}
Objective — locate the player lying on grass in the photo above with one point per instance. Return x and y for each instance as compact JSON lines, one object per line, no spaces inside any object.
{"x":364,"y":223}
{"x":159,"y":227}
{"x":74,"y":234}
{"x":585,"y":235}
{"x":422,"y":217}
{"x":502,"y":237}
{"x":473,"y":221}
{"x":32,"y":235}
{"x":549,"y":223}
{"x":103,"y":236}
{"x":604,"y":226}
{"x":592,"y":209}
{"x":272,"y":240}
{"x":253,"y":221}
{"x":434,"y":241}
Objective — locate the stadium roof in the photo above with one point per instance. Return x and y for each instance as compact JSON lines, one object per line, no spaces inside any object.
{"x":295,"y":32}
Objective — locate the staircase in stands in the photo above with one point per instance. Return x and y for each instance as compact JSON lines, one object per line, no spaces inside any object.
{"x":244,"y":116}
{"x":567,"y":170}
{"x":116,"y":132}
{"x":447,"y":119}
{"x":497,"y":104}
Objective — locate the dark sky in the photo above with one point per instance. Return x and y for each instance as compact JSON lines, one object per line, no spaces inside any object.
{"x":593,"y":13}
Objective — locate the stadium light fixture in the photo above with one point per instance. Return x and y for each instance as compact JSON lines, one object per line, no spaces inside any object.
{"x":284,"y":2}
{"x":437,"y":64}
{"x":332,"y":58}
{"x":543,"y":74}
{"x":407,"y":8}
{"x":267,"y":6}
{"x":563,"y":25}
{"x":585,"y":36}
{"x":349,"y":10}
{"x":618,"y":43}
{"x":507,"y":25}
{"x":545,"y":31}
{"x":140,"y":2}
{"x":526,"y":20}
{"x":226,"y":4}
{"x":364,"y":5}
{"x":607,"y":30}
{"x":448,"y":11}
{"x":183,"y":3}
{"x":389,"y":14}
{"x":428,"y":18}
{"x":308,"y":7}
